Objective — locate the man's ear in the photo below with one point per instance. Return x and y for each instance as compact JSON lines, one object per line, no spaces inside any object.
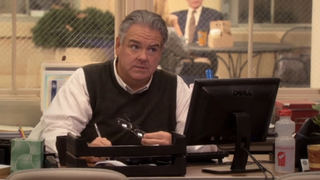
{"x":118,"y":43}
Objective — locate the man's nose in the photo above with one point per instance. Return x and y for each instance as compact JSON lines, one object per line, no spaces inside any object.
{"x":143,"y":55}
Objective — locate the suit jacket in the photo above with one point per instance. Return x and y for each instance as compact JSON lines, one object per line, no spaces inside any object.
{"x":207,"y":15}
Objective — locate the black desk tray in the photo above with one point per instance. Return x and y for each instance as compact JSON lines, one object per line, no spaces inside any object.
{"x":77,"y":147}
{"x":5,"y":151}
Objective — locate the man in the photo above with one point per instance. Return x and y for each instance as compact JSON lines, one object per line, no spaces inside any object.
{"x":196,"y":18}
{"x":203,"y":16}
{"x":130,"y":88}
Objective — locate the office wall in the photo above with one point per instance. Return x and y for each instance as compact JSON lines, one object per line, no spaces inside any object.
{"x":183,"y":4}
{"x":20,"y":110}
{"x":108,"y":5}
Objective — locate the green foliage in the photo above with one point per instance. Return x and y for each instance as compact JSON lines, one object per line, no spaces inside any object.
{"x":317,"y":117}
{"x":67,"y":27}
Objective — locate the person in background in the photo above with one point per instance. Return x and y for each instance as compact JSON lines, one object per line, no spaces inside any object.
{"x":202,"y":18}
{"x":191,"y":20}
{"x":176,"y":48}
{"x":130,"y":88}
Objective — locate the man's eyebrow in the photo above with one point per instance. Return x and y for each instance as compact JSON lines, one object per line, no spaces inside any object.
{"x":155,"y":46}
{"x":150,"y":46}
{"x":134,"y":41}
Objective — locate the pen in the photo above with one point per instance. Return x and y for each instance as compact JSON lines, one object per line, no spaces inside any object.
{"x":21,"y":132}
{"x":97,"y":130}
{"x":99,"y":135}
{"x":21,"y":136}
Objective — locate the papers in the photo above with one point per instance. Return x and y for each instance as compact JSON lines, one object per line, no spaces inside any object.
{"x":2,"y":166}
{"x":110,"y":163}
{"x":117,"y":163}
{"x":202,"y":148}
{"x":14,"y":128}
{"x":10,"y":132}
{"x":224,"y":160}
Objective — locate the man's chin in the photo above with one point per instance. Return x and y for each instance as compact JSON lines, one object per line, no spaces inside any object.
{"x":141,"y":76}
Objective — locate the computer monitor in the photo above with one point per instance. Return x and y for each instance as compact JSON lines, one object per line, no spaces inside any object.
{"x":224,"y":111}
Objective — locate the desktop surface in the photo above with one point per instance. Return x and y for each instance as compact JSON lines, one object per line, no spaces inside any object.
{"x":194,"y":172}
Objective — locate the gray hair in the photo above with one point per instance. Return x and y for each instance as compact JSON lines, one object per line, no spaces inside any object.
{"x":144,"y":18}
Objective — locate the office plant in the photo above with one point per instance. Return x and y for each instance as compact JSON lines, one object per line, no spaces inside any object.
{"x":309,"y":133}
{"x":64,"y":27}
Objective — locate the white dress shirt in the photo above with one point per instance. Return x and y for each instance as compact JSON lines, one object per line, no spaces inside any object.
{"x":196,"y":16}
{"x":70,"y":110}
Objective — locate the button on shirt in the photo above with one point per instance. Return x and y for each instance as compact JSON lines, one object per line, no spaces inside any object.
{"x":70,"y":110}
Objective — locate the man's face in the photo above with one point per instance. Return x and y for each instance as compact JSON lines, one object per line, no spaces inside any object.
{"x":138,"y":55}
{"x":195,"y":3}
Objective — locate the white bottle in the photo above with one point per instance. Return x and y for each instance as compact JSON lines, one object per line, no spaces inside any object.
{"x":285,"y":143}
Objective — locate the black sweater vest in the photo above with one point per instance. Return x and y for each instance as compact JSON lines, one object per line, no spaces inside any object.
{"x":152,"y":110}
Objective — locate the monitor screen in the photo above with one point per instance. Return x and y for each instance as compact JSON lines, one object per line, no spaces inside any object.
{"x":231,"y":111}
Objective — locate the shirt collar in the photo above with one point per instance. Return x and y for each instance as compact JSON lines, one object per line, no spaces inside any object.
{"x":126,"y":87}
{"x":198,"y":10}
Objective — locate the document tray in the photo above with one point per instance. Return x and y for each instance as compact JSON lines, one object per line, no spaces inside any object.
{"x":77,"y":147}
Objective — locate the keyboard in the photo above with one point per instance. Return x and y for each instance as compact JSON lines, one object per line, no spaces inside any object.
{"x":206,"y":156}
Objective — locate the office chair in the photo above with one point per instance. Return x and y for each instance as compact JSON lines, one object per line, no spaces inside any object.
{"x":67,"y":174}
{"x":312,"y":175}
{"x":187,"y":67}
{"x":293,"y":68}
{"x":194,"y":69}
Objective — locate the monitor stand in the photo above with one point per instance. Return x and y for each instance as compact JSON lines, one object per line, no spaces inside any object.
{"x":240,"y":158}
{"x":227,"y":170}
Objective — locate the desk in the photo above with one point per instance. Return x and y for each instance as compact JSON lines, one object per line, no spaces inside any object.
{"x":235,"y":67}
{"x":194,"y":173}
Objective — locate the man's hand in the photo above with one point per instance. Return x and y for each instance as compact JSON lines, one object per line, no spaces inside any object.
{"x":174,"y":22}
{"x":174,"y":19}
{"x":98,"y":142}
{"x":157,"y":138}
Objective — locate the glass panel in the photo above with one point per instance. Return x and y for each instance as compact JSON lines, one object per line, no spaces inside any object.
{"x":83,"y":31}
{"x":6,"y":6}
{"x":6,"y":54}
{"x":284,"y":11}
{"x":88,"y":37}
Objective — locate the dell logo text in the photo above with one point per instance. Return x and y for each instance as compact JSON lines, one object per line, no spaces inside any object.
{"x":242,"y":92}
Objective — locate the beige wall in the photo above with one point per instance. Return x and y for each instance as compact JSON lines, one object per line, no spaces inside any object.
{"x":176,"y":5}
{"x":105,"y":5}
{"x":23,"y":29}
{"x":30,"y":58}
{"x":21,"y":110}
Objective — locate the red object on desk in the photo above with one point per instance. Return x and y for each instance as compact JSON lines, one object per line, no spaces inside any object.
{"x":301,"y":110}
